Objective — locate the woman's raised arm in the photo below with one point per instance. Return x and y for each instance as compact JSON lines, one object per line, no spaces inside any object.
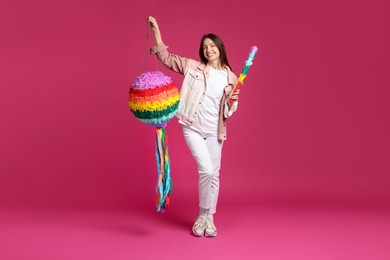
{"x":154,"y":26}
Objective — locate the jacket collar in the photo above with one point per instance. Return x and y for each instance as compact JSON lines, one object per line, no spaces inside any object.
{"x":205,"y":68}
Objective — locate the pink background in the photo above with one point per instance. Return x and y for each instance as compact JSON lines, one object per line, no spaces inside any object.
{"x":312,"y":125}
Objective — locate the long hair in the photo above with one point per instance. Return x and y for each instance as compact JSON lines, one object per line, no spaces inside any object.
{"x":221,"y":47}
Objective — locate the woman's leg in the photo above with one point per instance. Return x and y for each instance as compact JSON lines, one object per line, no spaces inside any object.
{"x":200,"y":151}
{"x":207,"y":152}
{"x":214,"y":146}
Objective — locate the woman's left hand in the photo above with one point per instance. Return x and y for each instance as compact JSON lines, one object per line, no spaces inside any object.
{"x":234,"y":96}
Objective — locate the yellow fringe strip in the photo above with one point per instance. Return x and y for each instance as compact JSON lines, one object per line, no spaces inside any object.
{"x":153,"y":106}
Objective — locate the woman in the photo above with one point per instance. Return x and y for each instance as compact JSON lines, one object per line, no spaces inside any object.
{"x":206,"y":101}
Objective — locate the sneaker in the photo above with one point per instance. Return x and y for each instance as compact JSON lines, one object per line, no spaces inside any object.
{"x":211,"y":229}
{"x":199,"y":226}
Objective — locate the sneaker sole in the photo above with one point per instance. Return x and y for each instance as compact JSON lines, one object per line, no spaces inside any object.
{"x":196,"y":234}
{"x":210,"y":234}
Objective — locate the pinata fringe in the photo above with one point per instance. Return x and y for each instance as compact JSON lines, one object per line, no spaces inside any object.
{"x":164,"y":182}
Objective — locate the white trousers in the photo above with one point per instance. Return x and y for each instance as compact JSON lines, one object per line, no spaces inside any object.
{"x":207,"y":151}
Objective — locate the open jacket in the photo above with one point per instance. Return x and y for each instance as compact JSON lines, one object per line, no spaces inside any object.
{"x":194,"y":86}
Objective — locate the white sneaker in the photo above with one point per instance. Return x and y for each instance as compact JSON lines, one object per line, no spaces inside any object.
{"x":199,"y":226}
{"x":211,"y":229}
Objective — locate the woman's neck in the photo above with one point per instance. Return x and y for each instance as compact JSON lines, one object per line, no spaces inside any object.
{"x":215,"y":65}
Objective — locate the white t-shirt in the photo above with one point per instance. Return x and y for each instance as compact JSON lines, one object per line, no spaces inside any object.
{"x":208,"y":117}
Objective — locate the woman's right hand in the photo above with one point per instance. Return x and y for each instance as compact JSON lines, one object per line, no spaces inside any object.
{"x":153,"y":23}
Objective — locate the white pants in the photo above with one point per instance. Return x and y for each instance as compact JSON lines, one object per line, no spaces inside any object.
{"x":207,"y":150}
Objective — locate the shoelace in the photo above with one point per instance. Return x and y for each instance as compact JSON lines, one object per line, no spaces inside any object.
{"x":201,"y":222}
{"x":210,"y":224}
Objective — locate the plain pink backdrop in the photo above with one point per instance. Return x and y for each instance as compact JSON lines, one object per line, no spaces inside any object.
{"x":312,"y":125}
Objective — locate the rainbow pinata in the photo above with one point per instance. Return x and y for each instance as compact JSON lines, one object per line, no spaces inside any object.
{"x":153,"y":98}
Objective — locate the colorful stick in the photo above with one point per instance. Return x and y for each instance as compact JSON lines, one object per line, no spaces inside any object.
{"x":242,"y":76}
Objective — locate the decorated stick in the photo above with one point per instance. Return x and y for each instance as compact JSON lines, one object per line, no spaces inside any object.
{"x":244,"y":71}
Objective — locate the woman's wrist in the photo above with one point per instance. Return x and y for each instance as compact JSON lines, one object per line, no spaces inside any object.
{"x":157,"y":37}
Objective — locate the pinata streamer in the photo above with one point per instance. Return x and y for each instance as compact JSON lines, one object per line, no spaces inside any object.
{"x":164,"y":182}
{"x":154,"y":99}
{"x":244,"y":71}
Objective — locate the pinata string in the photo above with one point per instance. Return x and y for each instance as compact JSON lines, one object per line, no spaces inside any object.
{"x":145,"y":52}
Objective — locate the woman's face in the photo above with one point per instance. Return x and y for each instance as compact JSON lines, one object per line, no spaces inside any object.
{"x":210,"y":50}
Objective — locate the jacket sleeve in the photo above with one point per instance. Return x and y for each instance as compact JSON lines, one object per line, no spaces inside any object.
{"x":171,"y":61}
{"x":229,"y":112}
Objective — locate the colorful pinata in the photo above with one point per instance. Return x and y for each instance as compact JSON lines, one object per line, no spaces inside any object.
{"x":154,"y":99}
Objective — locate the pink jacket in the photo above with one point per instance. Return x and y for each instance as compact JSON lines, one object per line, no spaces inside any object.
{"x":194,"y":87}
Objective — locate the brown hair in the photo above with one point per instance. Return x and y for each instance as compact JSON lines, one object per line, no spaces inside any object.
{"x":221,"y":47}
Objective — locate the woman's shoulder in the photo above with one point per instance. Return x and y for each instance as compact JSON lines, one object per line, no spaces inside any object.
{"x":196,"y":63}
{"x":232,"y":76}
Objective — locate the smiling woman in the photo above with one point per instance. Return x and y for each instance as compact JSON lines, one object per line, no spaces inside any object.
{"x":206,"y":101}
{"x":212,"y":51}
